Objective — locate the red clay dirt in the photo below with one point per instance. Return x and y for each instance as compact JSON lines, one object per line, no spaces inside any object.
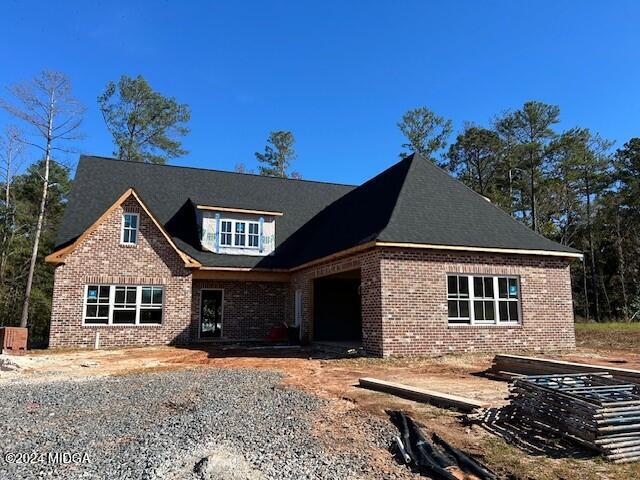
{"x":336,"y":380}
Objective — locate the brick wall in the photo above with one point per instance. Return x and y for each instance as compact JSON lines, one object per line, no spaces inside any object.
{"x":250,"y":309}
{"x":403,"y":295}
{"x":369,"y":265}
{"x":404,"y":301}
{"x":101,"y":259}
{"x":414,"y":303}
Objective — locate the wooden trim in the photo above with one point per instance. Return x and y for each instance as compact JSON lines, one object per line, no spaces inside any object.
{"x":59,"y":255}
{"x":241,"y":275}
{"x":368,"y":245}
{"x":333,"y":256}
{"x":240,"y":210}
{"x":422,"y":395}
{"x":244,"y":269}
{"x":551,"y":253}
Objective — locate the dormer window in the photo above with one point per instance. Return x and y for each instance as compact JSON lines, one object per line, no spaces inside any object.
{"x":235,"y":231}
{"x":254,"y":235}
{"x":241,"y":229}
{"x":239,"y":233}
{"x":225,"y":233}
{"x":129,"y":234}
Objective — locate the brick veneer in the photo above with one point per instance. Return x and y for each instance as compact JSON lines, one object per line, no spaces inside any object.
{"x":101,"y":259}
{"x":414,"y":293}
{"x":250,"y":309}
{"x":404,"y":301}
{"x":403,"y":295}
{"x":369,"y":265}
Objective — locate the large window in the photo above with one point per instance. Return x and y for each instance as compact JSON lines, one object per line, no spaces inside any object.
{"x":238,"y":233}
{"x":129,"y":229}
{"x":483,"y":299}
{"x":123,"y":305}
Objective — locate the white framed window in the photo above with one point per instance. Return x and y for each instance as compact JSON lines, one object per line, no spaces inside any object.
{"x":226,"y":238}
{"x":508,"y":299}
{"x":151,"y":305}
{"x":458,"y":298}
{"x":239,"y":239}
{"x":483,"y":299}
{"x":96,"y":304}
{"x":253,"y":235}
{"x":129,"y":235}
{"x":239,"y":233}
{"x":123,"y":305}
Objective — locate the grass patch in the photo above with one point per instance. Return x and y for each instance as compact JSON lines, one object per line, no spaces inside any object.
{"x":513,"y":463}
{"x":609,"y":336}
{"x":608,"y":327}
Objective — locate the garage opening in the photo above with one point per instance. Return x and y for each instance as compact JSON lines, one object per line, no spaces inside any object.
{"x":337,"y":313}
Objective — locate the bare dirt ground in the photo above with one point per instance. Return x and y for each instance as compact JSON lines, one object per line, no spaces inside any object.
{"x":336,"y":379}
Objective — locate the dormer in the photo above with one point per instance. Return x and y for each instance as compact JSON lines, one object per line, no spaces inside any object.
{"x":237,"y":231}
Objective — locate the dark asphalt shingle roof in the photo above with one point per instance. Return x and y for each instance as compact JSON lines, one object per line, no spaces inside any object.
{"x":413,"y":201}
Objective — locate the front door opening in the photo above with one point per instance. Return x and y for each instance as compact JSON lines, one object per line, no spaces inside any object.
{"x":211,"y":314}
{"x":336,"y":304}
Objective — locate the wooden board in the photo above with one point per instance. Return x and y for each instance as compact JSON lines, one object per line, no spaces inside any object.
{"x":421,"y":395}
{"x":516,"y":364}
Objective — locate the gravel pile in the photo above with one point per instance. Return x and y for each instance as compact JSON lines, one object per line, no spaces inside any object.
{"x":232,"y":424}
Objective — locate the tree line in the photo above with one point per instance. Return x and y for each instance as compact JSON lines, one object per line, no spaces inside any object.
{"x":570,"y":186}
{"x":46,"y":118}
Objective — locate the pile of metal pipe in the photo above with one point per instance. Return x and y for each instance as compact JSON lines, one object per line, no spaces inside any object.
{"x":435,"y":457}
{"x":592,"y":409}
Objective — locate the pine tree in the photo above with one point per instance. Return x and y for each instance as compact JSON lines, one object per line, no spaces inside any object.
{"x":278,"y":154}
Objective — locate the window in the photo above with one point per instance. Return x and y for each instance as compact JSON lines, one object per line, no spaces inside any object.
{"x":458,"y":299}
{"x":483,"y":303}
{"x":151,"y":305}
{"x":254,"y":235}
{"x":239,"y":233}
{"x":97,"y":304}
{"x":225,"y":233}
{"x":508,"y":299}
{"x":129,"y":229}
{"x":239,"y":239}
{"x":493,"y":300}
{"x":123,"y":305}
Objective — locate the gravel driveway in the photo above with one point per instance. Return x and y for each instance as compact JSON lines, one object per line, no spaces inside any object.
{"x":243,"y":423}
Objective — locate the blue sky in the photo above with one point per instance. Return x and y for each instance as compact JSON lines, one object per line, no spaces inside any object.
{"x":339,"y":74}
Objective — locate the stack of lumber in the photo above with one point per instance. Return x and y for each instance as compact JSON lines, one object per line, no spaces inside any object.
{"x":593,"y":410}
{"x":439,"y":399}
{"x":508,"y":366}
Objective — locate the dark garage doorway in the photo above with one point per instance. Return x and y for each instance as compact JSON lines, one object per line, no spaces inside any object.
{"x":336,"y":308}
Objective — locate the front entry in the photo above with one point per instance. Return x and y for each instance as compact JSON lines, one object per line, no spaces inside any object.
{"x":336,"y":304}
{"x":210,"y":314}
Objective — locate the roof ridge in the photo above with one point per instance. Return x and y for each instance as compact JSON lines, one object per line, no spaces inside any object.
{"x":410,"y":159}
{"x":100,"y":157}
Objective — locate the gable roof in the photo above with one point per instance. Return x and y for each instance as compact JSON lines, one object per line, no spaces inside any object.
{"x":413,"y":202}
{"x":60,"y":253}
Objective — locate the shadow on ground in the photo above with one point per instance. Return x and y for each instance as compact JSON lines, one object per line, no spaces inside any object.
{"x":261,"y":350}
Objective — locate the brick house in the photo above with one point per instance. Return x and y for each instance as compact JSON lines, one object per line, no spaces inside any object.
{"x":411,"y":262}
